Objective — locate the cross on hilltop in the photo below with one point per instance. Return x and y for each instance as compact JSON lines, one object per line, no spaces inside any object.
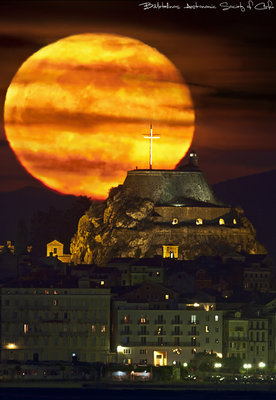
{"x":151,"y":137}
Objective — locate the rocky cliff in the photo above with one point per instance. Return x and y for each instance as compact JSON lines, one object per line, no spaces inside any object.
{"x":125,"y":226}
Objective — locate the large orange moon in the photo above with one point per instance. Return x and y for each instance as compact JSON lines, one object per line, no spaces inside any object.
{"x":77,"y":110}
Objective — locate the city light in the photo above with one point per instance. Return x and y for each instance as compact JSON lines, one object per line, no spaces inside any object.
{"x":11,"y":346}
{"x":261,"y":364}
{"x":185,"y":364}
{"x":120,"y":349}
{"x":217,"y":365}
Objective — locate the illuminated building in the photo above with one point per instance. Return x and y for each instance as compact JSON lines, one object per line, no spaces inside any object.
{"x":47,"y":324}
{"x":168,"y":213}
{"x":247,"y":338}
{"x":55,"y":249}
{"x":165,"y":333}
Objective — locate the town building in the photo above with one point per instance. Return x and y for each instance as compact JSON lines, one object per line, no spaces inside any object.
{"x":55,"y":323}
{"x":246,"y":338}
{"x":165,"y":333}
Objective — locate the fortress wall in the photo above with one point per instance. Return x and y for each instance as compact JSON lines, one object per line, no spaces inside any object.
{"x":165,"y":186}
{"x":190,"y":213}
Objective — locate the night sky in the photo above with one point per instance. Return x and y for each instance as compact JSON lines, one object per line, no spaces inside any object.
{"x":227,"y":58}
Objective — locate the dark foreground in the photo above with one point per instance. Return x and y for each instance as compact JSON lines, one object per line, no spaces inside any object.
{"x":138,"y":392}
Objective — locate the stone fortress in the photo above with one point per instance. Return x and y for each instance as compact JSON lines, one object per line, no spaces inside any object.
{"x":169,"y":213}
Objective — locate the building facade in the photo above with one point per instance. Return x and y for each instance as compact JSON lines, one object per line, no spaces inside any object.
{"x":47,"y":324}
{"x":151,"y":333}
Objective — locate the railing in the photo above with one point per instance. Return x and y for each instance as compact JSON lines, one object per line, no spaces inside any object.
{"x":177,"y":333}
{"x":162,"y":333}
{"x":193,"y":333}
{"x":126,"y":333}
{"x":176,"y":322}
{"x":160,"y":322}
{"x":125,"y":322}
{"x":140,"y":333}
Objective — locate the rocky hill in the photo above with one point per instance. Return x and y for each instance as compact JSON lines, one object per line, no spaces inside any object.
{"x":125,"y":226}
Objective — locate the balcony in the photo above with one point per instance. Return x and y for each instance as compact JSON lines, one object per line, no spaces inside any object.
{"x":125,"y":322}
{"x":162,"y":333}
{"x":176,"y":333}
{"x":141,"y":333}
{"x":139,"y":322}
{"x":176,"y":322}
{"x":160,"y":321}
{"x":193,"y":333}
{"x":126,"y":333}
{"x":193,"y":322}
{"x":164,"y":344}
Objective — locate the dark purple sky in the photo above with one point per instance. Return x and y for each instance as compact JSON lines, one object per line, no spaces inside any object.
{"x":227,"y":57}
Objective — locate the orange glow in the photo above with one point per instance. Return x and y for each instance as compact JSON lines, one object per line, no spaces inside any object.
{"x":76,"y":112}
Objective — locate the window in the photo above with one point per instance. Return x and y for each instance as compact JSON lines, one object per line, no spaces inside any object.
{"x":216,"y":318}
{"x":55,"y":250}
{"x":143,"y":330}
{"x":221,"y":221}
{"x":103,"y":328}
{"x":167,"y":296}
{"x":207,"y":340}
{"x":102,"y":283}
{"x":193,"y":319}
{"x":159,"y":341}
{"x":93,"y":328}
{"x":207,"y":330}
{"x":143,"y":351}
{"x":177,"y":319}
{"x":55,"y":303}
{"x":143,"y":320}
{"x":216,"y":340}
{"x":127,"y":351}
{"x":143,"y":340}
{"x":177,"y":330}
{"x":25,"y":328}
{"x":199,"y":221}
{"x":175,"y":221}
{"x":126,"y":330}
{"x":216,"y":329}
{"x":176,"y":341}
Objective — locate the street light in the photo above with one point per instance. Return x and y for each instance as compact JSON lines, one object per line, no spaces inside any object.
{"x":217,"y":365}
{"x":247,"y":366}
{"x":261,"y":365}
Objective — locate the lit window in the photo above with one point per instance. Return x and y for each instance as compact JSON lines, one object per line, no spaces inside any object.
{"x":46,"y":292}
{"x":207,"y":329}
{"x":167,"y":296}
{"x":234,"y":221}
{"x":221,"y":221}
{"x":103,"y":329}
{"x":216,"y":318}
{"x":102,"y":283}
{"x":127,"y":351}
{"x":55,"y":292}
{"x":143,"y":320}
{"x":175,"y":221}
{"x":26,"y":328}
{"x":93,"y":328}
{"x":193,"y":318}
{"x":157,"y":273}
{"x":55,"y":303}
{"x":199,"y":221}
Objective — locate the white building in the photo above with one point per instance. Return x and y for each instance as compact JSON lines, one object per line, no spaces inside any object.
{"x":165,"y":335}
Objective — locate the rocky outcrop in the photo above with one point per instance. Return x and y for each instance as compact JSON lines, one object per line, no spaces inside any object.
{"x":125,"y":226}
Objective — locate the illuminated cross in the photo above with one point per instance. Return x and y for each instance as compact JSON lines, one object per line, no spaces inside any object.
{"x":151,"y":137}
